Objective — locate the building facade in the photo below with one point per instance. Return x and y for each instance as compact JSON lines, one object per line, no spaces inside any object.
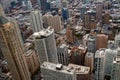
{"x":53,"y":21}
{"x":51,"y":71}
{"x":36,"y":21}
{"x":62,"y":53}
{"x":13,"y":51}
{"x":109,"y":55}
{"x":99,"y":64}
{"x":101,"y":41}
{"x":89,"y":60}
{"x":115,"y":68}
{"x":46,"y":46}
{"x":82,"y":72}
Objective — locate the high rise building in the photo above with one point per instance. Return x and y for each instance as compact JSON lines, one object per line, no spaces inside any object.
{"x":6,"y":3}
{"x":62,"y":53}
{"x":82,"y":11}
{"x":53,"y":21}
{"x":64,"y":4}
{"x":117,"y":40}
{"x":13,"y":51}
{"x":82,"y":72}
{"x":45,"y":45}
{"x":36,"y":21}
{"x":32,"y":61}
{"x":99,"y":64}
{"x":106,"y":17}
{"x":29,"y":5}
{"x":99,"y":9}
{"x":65,"y":13}
{"x":51,"y":71}
{"x":1,"y":10}
{"x":77,"y":55}
{"x":42,"y":4}
{"x":101,"y":41}
{"x":58,"y":3}
{"x":90,"y":19}
{"x":70,"y":35}
{"x":89,"y":60}
{"x":115,"y":68}
{"x":109,"y":55}
{"x":91,"y":43}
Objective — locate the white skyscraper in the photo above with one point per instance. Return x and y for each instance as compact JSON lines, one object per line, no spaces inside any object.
{"x":46,"y":46}
{"x":99,"y":64}
{"x":29,"y":5}
{"x":58,"y":3}
{"x":36,"y":20}
{"x":62,"y":52}
{"x":117,"y":40}
{"x":115,"y":68}
{"x":109,"y":55}
{"x":51,"y":71}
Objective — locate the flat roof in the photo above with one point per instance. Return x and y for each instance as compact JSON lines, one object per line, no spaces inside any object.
{"x":80,"y":69}
{"x":52,"y":66}
{"x":43,"y":33}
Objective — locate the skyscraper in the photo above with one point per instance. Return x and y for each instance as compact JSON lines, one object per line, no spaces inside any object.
{"x":101,"y":41}
{"x":77,"y":55}
{"x":46,"y":46}
{"x":6,"y":3}
{"x":117,"y":40}
{"x":109,"y":55}
{"x":13,"y":51}
{"x":99,"y":64}
{"x":53,"y":21}
{"x":32,"y":61}
{"x":90,"y":19}
{"x":64,"y":4}
{"x":70,"y":35}
{"x":99,"y":9}
{"x":29,"y":5}
{"x":115,"y":68}
{"x":62,"y":52}
{"x":1,"y":10}
{"x":51,"y":71}
{"x":91,"y":43}
{"x":42,"y":4}
{"x":89,"y":60}
{"x":36,"y":21}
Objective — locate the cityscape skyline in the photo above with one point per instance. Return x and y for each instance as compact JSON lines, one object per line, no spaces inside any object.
{"x":59,"y":39}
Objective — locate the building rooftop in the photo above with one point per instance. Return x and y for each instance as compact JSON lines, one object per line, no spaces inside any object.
{"x":63,"y":45}
{"x":91,"y":38}
{"x":100,"y":53}
{"x":79,"y":69}
{"x":89,"y":54}
{"x":57,"y":67}
{"x":43,"y":33}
